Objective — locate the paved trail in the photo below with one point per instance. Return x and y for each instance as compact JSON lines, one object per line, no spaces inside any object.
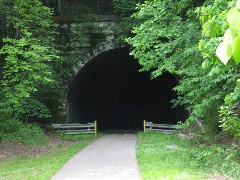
{"x":112,"y":157}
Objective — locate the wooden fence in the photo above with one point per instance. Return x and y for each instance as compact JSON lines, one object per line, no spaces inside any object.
{"x":165,"y":128}
{"x":76,"y":128}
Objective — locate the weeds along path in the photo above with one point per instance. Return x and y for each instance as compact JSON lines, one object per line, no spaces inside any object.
{"x":113,"y":156}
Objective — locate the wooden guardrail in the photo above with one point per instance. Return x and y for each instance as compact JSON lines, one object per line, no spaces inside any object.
{"x":165,"y":128}
{"x":76,"y":128}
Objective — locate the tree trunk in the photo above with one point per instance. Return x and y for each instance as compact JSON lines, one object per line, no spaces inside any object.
{"x":60,"y":7}
{"x":98,"y":6}
{"x":47,"y":3}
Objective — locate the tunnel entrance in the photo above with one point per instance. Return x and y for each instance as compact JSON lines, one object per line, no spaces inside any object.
{"x":110,"y":89}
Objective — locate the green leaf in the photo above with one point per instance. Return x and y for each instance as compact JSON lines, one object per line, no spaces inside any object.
{"x":236,"y":53}
{"x":238,"y":4}
{"x":233,"y":19}
{"x":234,"y":33}
{"x":224,"y":52}
{"x":228,"y":38}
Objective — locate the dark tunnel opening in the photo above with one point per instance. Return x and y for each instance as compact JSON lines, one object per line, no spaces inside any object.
{"x":111,"y":90}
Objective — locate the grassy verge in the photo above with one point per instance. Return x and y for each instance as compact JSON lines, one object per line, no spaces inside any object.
{"x":75,"y":137}
{"x":169,"y":157}
{"x":42,"y":167}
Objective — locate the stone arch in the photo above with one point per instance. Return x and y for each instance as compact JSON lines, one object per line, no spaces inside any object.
{"x":91,"y":53}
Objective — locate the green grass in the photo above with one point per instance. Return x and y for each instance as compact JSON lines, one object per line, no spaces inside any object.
{"x":74,"y":136}
{"x":185,"y":162}
{"x":42,"y":167}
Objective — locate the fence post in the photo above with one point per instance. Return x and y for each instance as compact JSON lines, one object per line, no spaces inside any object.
{"x":144,"y":125}
{"x":89,"y":128}
{"x":95,"y":128}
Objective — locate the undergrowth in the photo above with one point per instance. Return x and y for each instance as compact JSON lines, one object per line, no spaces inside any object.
{"x":42,"y":166}
{"x":24,"y":133}
{"x":162,"y":156}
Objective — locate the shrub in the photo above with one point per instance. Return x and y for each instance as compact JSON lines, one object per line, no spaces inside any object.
{"x":219,"y":159}
{"x":15,"y":130}
{"x":230,"y":121}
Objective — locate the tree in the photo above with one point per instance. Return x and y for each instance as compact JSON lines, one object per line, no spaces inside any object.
{"x":169,"y":39}
{"x":220,"y":41}
{"x":28,"y":54}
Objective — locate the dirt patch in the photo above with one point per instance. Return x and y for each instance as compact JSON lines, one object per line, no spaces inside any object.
{"x":12,"y":149}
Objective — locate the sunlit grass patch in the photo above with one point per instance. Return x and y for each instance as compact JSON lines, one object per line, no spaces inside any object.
{"x":40,"y":167}
{"x":162,"y":156}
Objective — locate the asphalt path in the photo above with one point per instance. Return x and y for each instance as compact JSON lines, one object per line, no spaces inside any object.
{"x":111,"y":157}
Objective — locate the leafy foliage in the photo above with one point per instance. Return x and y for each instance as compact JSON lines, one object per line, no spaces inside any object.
{"x":217,"y":158}
{"x":79,"y":8}
{"x":218,"y":26}
{"x":169,"y":39}
{"x":124,"y":10}
{"x":230,"y":121}
{"x":23,"y":69}
{"x":231,"y":41}
{"x":28,"y":57}
{"x":29,"y":134}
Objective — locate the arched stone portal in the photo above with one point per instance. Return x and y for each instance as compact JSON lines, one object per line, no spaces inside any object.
{"x":110,"y":89}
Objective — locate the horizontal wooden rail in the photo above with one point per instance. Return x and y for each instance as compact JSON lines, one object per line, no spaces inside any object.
{"x":76,"y":128}
{"x":165,"y":128}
